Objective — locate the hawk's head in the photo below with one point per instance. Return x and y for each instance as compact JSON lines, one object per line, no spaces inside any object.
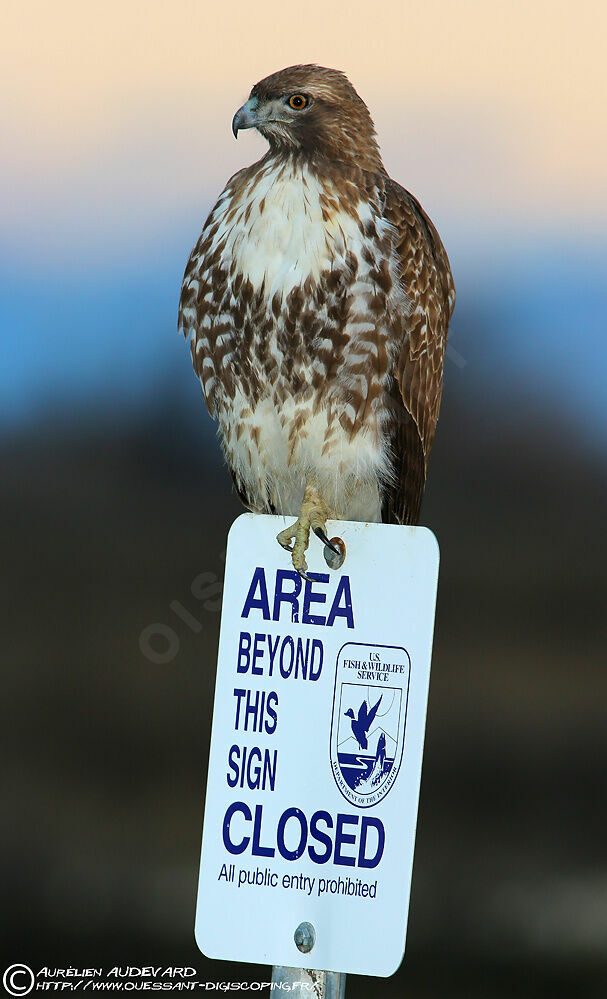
{"x":312,"y":110}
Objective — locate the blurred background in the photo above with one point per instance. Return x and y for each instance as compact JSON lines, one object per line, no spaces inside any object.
{"x":115,"y":131}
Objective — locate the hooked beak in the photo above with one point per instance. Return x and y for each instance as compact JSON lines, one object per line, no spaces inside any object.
{"x":245,"y":117}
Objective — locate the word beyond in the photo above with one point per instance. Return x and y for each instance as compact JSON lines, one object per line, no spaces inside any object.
{"x":297,"y":659}
{"x":366,"y":835}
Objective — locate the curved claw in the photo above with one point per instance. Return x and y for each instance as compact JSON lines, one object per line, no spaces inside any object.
{"x":318,"y":531}
{"x":287,"y":548}
{"x":304,"y":575}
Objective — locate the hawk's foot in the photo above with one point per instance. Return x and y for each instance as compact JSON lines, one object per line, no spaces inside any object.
{"x":313,"y":514}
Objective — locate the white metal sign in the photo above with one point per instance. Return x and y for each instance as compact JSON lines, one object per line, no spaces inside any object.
{"x":316,"y":749}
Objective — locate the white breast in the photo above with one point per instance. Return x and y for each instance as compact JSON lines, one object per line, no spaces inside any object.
{"x":278,"y":236}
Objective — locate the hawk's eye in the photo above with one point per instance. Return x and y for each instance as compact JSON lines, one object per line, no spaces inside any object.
{"x":298,"y":102}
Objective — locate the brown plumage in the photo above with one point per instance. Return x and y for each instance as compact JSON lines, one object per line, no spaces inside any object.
{"x":317,"y":300}
{"x":418,"y":379}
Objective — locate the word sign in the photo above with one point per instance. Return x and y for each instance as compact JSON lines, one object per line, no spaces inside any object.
{"x":316,"y":748}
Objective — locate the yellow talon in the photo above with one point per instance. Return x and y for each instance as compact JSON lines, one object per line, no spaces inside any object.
{"x":313,"y":514}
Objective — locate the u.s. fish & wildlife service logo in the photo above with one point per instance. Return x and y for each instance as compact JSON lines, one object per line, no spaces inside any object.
{"x":369,"y":717}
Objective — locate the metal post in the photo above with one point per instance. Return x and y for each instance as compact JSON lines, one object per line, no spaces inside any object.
{"x":302,"y":982}
{"x":315,"y":984}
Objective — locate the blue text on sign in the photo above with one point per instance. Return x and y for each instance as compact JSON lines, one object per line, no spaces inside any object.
{"x":287,"y":592}
{"x":368,"y":854}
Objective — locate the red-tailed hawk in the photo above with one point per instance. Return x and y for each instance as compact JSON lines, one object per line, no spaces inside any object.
{"x":317,"y":302}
